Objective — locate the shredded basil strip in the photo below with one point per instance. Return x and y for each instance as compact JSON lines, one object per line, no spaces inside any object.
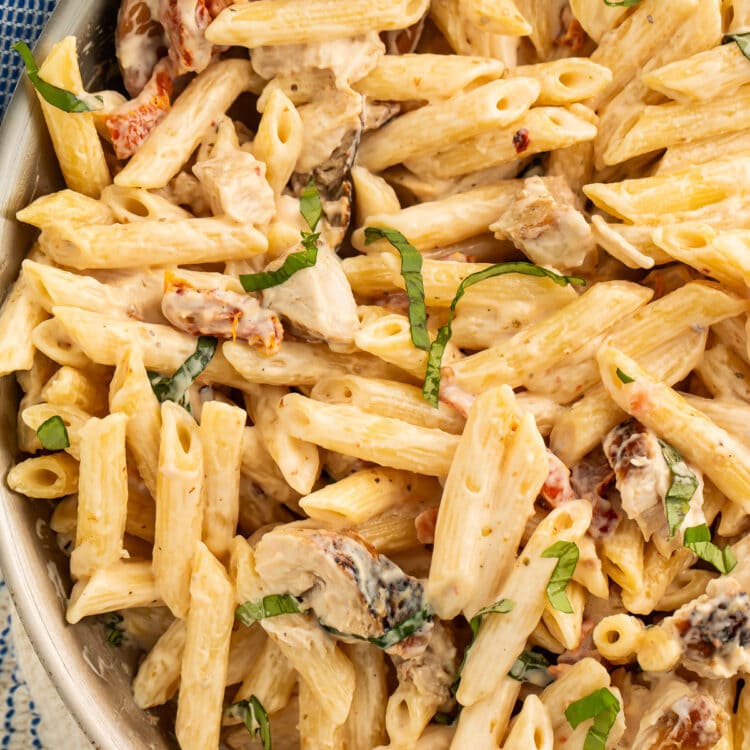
{"x":254,"y":282}
{"x":269,"y":606}
{"x":53,"y":434}
{"x":115,"y":633}
{"x":621,"y":3}
{"x":498,"y":608}
{"x":681,"y":490}
{"x":567,"y":554}
{"x":601,"y":706}
{"x":57,"y":97}
{"x":501,"y":607}
{"x":742,"y":40}
{"x":531,"y":666}
{"x":624,"y":377}
{"x":175,"y":388}
{"x":254,"y":717}
{"x":698,"y":539}
{"x":311,"y":210}
{"x":431,"y":387}
{"x":392,"y":636}
{"x":309,"y":205}
{"x":411,"y":271}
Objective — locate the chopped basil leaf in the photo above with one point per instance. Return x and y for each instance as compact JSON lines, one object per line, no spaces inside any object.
{"x":431,"y":387}
{"x":567,"y":554}
{"x":269,"y":606}
{"x":443,"y":718}
{"x":254,"y":717}
{"x":698,"y":539}
{"x":498,"y":608}
{"x":309,"y":205}
{"x":411,"y":270}
{"x":681,"y":490}
{"x":621,"y":3}
{"x":52,"y":434}
{"x":602,"y":707}
{"x":115,"y":633}
{"x":175,"y":388}
{"x":254,"y":282}
{"x":624,"y":377}
{"x":531,"y":666}
{"x":743,"y":42}
{"x":57,"y":97}
{"x":394,"y":635}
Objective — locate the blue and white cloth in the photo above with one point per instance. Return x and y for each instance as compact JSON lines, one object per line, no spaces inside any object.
{"x":20,"y":21}
{"x":32,"y":715}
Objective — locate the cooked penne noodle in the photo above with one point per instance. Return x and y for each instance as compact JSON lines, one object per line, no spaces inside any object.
{"x":20,"y":316}
{"x":178,"y":506}
{"x":427,"y":77}
{"x":102,"y":496}
{"x":568,"y":80}
{"x":77,"y":388}
{"x":204,"y":663}
{"x":221,"y":435}
{"x":77,"y":208}
{"x":158,"y":675}
{"x":174,"y":139}
{"x":435,"y":126}
{"x":298,"y":21}
{"x":46,"y":477}
{"x":74,"y":138}
{"x":383,"y":440}
{"x":171,"y":241}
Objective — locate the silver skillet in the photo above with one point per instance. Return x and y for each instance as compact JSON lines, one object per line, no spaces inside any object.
{"x":92,"y":677}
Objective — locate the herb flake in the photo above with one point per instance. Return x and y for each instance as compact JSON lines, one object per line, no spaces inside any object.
{"x":53,"y":434}
{"x":411,"y":271}
{"x":681,"y":490}
{"x":698,"y":540}
{"x":602,"y":706}
{"x":742,"y":41}
{"x":254,"y":717}
{"x":57,"y":97}
{"x":533,"y":667}
{"x":269,"y":606}
{"x":621,"y":3}
{"x":431,"y":387}
{"x":254,"y":282}
{"x":175,"y":388}
{"x":567,"y":554}
{"x":624,"y":377}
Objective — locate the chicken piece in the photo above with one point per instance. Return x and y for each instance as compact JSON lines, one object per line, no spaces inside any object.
{"x":220,"y":312}
{"x":130,"y":122}
{"x":544,"y":223}
{"x":593,"y":479}
{"x":348,"y":59}
{"x":235,"y":185}
{"x":352,"y":589}
{"x":434,"y":670}
{"x":714,"y":630}
{"x":677,"y":717}
{"x":556,"y":488}
{"x":455,"y":396}
{"x":317,"y":301}
{"x":643,"y":479}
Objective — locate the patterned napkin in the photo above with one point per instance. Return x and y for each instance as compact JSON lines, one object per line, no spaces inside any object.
{"x":20,"y":21}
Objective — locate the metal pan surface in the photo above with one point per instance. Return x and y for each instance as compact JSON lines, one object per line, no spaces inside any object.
{"x":92,"y":677}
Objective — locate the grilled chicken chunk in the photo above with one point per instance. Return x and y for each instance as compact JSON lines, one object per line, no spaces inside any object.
{"x":350,"y":587}
{"x":714,"y":630}
{"x":317,"y":301}
{"x":220,"y":312}
{"x":235,"y":185}
{"x":643,"y":479}
{"x":677,"y":717}
{"x":543,"y":222}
